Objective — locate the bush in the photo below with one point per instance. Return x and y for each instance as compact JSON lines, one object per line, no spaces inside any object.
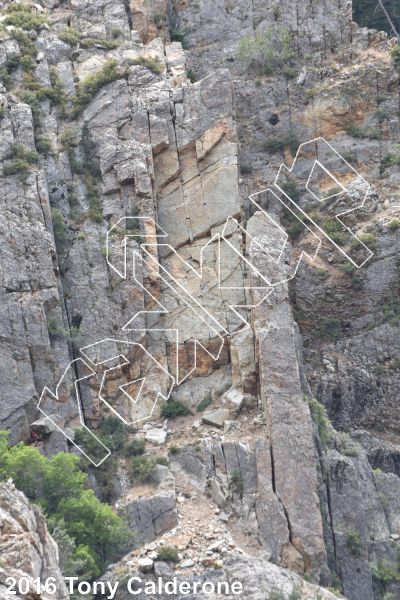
{"x":290,"y":140}
{"x":273,"y":145}
{"x":331,"y":327}
{"x":153,"y":64}
{"x":203,"y":404}
{"x":380,"y":98}
{"x":81,"y":236}
{"x":168,"y":554}
{"x":353,"y":542}
{"x":59,"y":228}
{"x":135,"y":448}
{"x":43,"y":145}
{"x":259,"y":49}
{"x":58,"y":486}
{"x":22,"y":161}
{"x":174,"y":450}
{"x":236,"y":482}
{"x":395,"y":55}
{"x":311,"y":93}
{"x":174,"y":34}
{"x":55,"y":328}
{"x":349,"y":157}
{"x":348,"y":268}
{"x":289,"y":73}
{"x":290,"y":188}
{"x":356,"y":131}
{"x":333,"y":227}
{"x":20,"y":15}
{"x":323,"y":273}
{"x":381,"y":115}
{"x":367,"y":239}
{"x":191,"y":75}
{"x":244,"y":168}
{"x":175,"y":408}
{"x":116,"y":32}
{"x":393,"y":225}
{"x":73,"y":37}
{"x":141,"y":469}
{"x":318,"y":413}
{"x":89,"y":87}
{"x":197,"y":448}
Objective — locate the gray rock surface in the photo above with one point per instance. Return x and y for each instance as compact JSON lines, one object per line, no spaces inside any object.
{"x":26,"y":547}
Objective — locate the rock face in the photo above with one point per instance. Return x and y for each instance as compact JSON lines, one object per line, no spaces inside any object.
{"x":153,"y":514}
{"x":194,"y":316}
{"x":258,"y":579}
{"x":26,"y":548}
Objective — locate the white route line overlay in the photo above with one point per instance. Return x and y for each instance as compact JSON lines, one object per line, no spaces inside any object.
{"x":159,"y":268}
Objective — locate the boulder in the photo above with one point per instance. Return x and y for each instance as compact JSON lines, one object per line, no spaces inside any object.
{"x":145,"y":565}
{"x":156,"y":436}
{"x":216,"y":417}
{"x":234,"y":400}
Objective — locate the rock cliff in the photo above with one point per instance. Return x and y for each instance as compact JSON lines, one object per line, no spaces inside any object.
{"x":130,"y":149}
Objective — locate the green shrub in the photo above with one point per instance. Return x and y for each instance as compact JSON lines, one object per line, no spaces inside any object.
{"x":22,"y":161}
{"x":307,"y":577}
{"x":323,"y":273}
{"x":59,"y":228}
{"x":245,"y":169}
{"x":289,"y":73}
{"x":197,"y":448}
{"x":332,"y":328}
{"x":367,"y":239}
{"x":358,"y":132}
{"x":168,"y":554}
{"x":81,"y":236}
{"x":9,"y":66}
{"x":236,"y":482}
{"x":311,"y":93}
{"x":174,"y":34}
{"x":77,"y":338}
{"x":295,"y":230}
{"x":174,"y":450}
{"x":380,"y":98}
{"x":116,"y":32}
{"x":349,"y":157}
{"x":393,"y":225}
{"x":338,"y":238}
{"x":154,"y":64}
{"x":348,"y":268}
{"x":43,"y":145}
{"x":191,"y":75}
{"x":395,"y":55}
{"x":381,"y":115}
{"x":175,"y":408}
{"x":20,"y":15}
{"x":73,"y":37}
{"x":354,"y":543}
{"x":161,"y":460}
{"x":141,"y":469}
{"x":290,"y":140}
{"x":135,"y":448}
{"x":290,"y":188}
{"x":273,"y":145}
{"x":318,"y":413}
{"x":259,"y":50}
{"x":55,"y":328}
{"x":58,"y":486}
{"x":333,"y":229}
{"x":203,"y":404}
{"x":89,"y":87}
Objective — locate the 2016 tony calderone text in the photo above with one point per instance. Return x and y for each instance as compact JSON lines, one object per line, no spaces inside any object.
{"x":134,"y":585}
